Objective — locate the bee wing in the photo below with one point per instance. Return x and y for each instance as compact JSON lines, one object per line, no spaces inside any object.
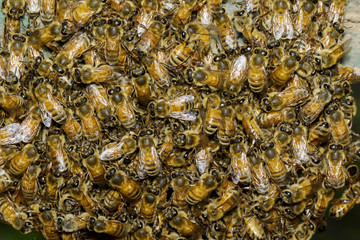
{"x":185,"y":116}
{"x":94,"y":90}
{"x":202,"y":160}
{"x":180,"y":100}
{"x":238,"y":68}
{"x":28,"y":131}
{"x":341,"y":49}
{"x":10,"y":134}
{"x":289,"y":28}
{"x":46,"y":116}
{"x":205,"y":14}
{"x":111,"y":152}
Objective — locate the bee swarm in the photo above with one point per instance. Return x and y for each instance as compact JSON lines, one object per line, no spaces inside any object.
{"x":176,"y":119}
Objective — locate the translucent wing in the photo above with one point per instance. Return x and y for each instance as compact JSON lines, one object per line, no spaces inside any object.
{"x":180,"y":100}
{"x":238,"y":68}
{"x":28,"y":131}
{"x":202,"y":160}
{"x":10,"y":134}
{"x":111,"y":152}
{"x":185,"y":116}
{"x":45,"y":115}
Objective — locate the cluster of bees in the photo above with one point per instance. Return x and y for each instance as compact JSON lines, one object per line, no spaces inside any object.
{"x":175,"y":119}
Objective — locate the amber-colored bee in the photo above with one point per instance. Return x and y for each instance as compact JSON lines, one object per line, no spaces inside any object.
{"x":212,"y":117}
{"x":5,"y":181}
{"x":179,"y":55}
{"x":20,"y":162}
{"x":48,"y":104}
{"x":29,"y":185}
{"x":250,"y":123}
{"x":330,"y":56}
{"x":90,"y":124}
{"x":301,"y":190}
{"x":289,"y":64}
{"x":72,"y":223}
{"x":348,"y":200}
{"x":149,"y":201}
{"x":111,"y":227}
{"x":183,"y":12}
{"x":256,"y":73}
{"x":147,"y":13}
{"x":319,"y":133}
{"x":240,"y":165}
{"x":149,"y":161}
{"x":274,"y":163}
{"x":128,"y":188}
{"x":79,"y":191}
{"x":180,"y":185}
{"x":188,"y":139}
{"x":311,"y":110}
{"x":227,"y":127}
{"x":348,"y":106}
{"x":151,"y":37}
{"x":202,"y":188}
{"x":335,"y":172}
{"x":324,"y":196}
{"x":47,"y":218}
{"x":179,"y":108}
{"x":14,"y":8}
{"x":141,"y":82}
{"x":95,"y":168}
{"x":101,"y":74}
{"x":98,"y":97}
{"x":45,"y":36}
{"x":112,"y":200}
{"x":211,"y":78}
{"x":10,"y":102}
{"x":124,"y":148}
{"x":227,"y":32}
{"x":180,"y":221}
{"x":85,"y":10}
{"x":332,"y":34}
{"x":77,"y":44}
{"x":16,"y":60}
{"x":336,"y":11}
{"x":58,"y":155}
{"x":303,"y":19}
{"x":54,"y":181}
{"x":71,"y":127}
{"x":282,"y":26}
{"x":113,"y":34}
{"x":260,"y":178}
{"x":156,"y":68}
{"x":340,"y":131}
{"x":200,"y":35}
{"x":237,"y":76}
{"x":11,"y":214}
{"x":299,"y":144}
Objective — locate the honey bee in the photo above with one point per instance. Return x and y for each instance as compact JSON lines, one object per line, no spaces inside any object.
{"x":16,"y":60}
{"x":98,"y":97}
{"x":336,"y":11}
{"x":324,"y":196}
{"x":259,"y":176}
{"x":5,"y":181}
{"x":157,"y":70}
{"x":64,"y":9}
{"x":147,"y":13}
{"x":10,"y":102}
{"x":240,"y":165}
{"x":274,"y":163}
{"x":128,"y":188}
{"x":211,"y":78}
{"x":113,"y":34}
{"x":178,"y":107}
{"x":179,"y":55}
{"x":335,"y":172}
{"x":101,"y":74}
{"x":112,"y":200}
{"x":338,"y":128}
{"x":204,"y":15}
{"x":79,"y":191}
{"x":305,"y":14}
{"x":47,"y":218}
{"x":212,"y":117}
{"x":238,"y":72}
{"x":95,"y":168}
{"x":77,"y":44}
{"x":20,"y":162}
{"x":183,"y":12}
{"x":347,"y":201}
{"x":254,"y":227}
{"x":200,"y":36}
{"x":180,"y":221}
{"x":149,"y":201}
{"x":151,"y":37}
{"x":53,"y":181}
{"x":226,"y":32}
{"x":188,"y":139}
{"x":85,"y":10}
{"x":267,"y":201}
{"x":202,"y":188}
{"x":180,"y":185}
{"x":47,"y":11}
{"x":282,"y":26}
{"x":149,"y":161}
{"x":328,"y":57}
{"x":227,"y":201}
{"x":3,"y":67}
{"x":256,"y":73}
{"x":300,"y":191}
{"x":71,"y":127}
{"x":29,"y":185}
{"x":58,"y":156}
{"x":331,"y":34}
{"x":142,"y":84}
{"x":44,"y":36}
{"x":348,"y":106}
{"x":48,"y":104}
{"x":10,"y":134}
{"x":319,"y":133}
{"x":90,"y":124}
{"x":71,"y":223}
{"x":289,"y":64}
{"x":124,"y":148}
{"x":250,"y":123}
{"x":10,"y":213}
{"x":227,"y":127}
{"x":14,"y":8}
{"x":299,"y":145}
{"x":311,"y":110}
